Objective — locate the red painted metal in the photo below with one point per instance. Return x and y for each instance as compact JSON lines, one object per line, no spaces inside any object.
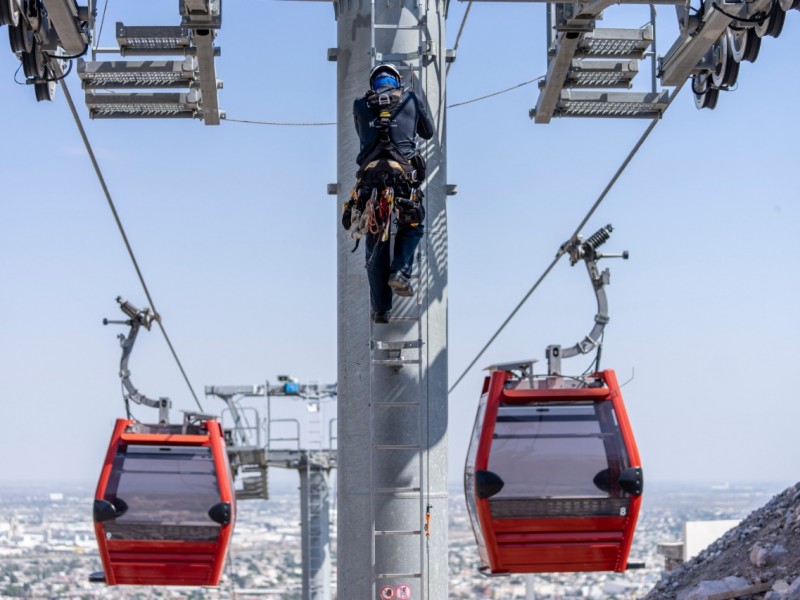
{"x":592,"y":538}
{"x":163,"y":558}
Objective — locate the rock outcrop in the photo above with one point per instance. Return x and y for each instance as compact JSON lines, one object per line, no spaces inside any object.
{"x":759,"y":559}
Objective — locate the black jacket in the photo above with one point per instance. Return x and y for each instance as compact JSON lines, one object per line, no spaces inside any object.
{"x":410,"y":120}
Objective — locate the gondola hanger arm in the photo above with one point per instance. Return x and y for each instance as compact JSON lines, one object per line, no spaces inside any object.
{"x":137,"y":318}
{"x":586,"y":251}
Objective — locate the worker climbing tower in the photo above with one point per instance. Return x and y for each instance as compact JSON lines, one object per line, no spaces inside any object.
{"x":392,"y":414}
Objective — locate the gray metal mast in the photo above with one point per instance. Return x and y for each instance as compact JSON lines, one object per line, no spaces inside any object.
{"x":392,"y":412}
{"x":313,"y":465}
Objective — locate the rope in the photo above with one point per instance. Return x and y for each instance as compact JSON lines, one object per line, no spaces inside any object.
{"x":574,"y":236}
{"x":125,"y":237}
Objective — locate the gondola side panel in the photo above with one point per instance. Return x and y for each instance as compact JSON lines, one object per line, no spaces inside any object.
{"x":226,"y":495}
{"x":100,"y":492}
{"x":633,"y":456}
{"x":494,"y":393}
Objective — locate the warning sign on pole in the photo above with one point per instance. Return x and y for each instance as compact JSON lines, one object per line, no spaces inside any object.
{"x":403,"y":592}
{"x":387,"y":592}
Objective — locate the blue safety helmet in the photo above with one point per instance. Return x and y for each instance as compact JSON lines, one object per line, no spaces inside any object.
{"x":385,"y":74}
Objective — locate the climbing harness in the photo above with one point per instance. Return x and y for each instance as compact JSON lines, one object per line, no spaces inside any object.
{"x":374,"y":215}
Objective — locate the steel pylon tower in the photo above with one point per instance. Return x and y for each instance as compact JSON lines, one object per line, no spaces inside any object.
{"x":313,"y":465}
{"x":392,"y":412}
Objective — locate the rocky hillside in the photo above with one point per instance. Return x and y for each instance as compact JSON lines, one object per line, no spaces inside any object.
{"x":759,"y":559}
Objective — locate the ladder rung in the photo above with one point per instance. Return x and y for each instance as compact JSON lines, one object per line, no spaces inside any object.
{"x":396,"y":490}
{"x":397,"y":27}
{"x":395,"y":362}
{"x":398,"y":576}
{"x":401,"y":532}
{"x":401,"y":345}
{"x":396,"y":446}
{"x":386,"y":57}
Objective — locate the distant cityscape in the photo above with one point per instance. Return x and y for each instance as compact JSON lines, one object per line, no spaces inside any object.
{"x":48,"y":549}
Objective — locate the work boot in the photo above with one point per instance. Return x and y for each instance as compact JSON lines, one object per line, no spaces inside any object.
{"x":380,"y":317}
{"x":400,"y":284}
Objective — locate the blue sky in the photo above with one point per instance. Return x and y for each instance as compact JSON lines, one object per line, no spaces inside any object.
{"x":236,"y":238}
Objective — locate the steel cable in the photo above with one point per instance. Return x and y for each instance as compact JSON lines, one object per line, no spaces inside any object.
{"x":562,"y":250}
{"x":458,"y":36}
{"x":113,"y":208}
{"x":322,"y":123}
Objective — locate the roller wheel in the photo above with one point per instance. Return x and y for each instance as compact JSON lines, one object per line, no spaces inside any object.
{"x":745,"y":45}
{"x":45,"y":91}
{"x":9,"y":13}
{"x":726,"y":70}
{"x":704,"y":95}
{"x":20,"y":37}
{"x":33,"y":63}
{"x":772,"y":26}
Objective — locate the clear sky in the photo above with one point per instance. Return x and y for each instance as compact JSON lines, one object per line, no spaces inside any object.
{"x":236,"y":238}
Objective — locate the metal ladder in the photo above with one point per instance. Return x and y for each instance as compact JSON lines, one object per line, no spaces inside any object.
{"x":410,"y":447}
{"x":403,"y":530}
{"x":401,"y":60}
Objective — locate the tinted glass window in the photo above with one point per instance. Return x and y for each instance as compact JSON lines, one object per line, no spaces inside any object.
{"x":552,"y":450}
{"x":163,"y":493}
{"x":469,"y":481}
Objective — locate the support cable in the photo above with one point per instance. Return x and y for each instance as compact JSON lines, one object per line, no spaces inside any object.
{"x":102,"y":22}
{"x":113,"y":208}
{"x":509,"y":89}
{"x":318,"y":123}
{"x":458,"y":36}
{"x":563,"y":249}
{"x":280,"y":123}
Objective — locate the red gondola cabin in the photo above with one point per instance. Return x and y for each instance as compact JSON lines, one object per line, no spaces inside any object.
{"x":553,"y":479}
{"x":164,"y":508}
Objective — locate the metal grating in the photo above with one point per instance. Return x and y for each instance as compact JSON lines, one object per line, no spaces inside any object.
{"x":159,"y":105}
{"x":601,"y":73}
{"x":611,"y":43}
{"x":632,"y":105}
{"x":137,"y":74}
{"x":143,"y":41}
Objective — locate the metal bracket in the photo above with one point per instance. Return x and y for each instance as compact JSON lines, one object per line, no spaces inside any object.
{"x":570,"y":17}
{"x":689,"y":50}
{"x":137,"y":318}
{"x":201,"y":13}
{"x":586,"y":251}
